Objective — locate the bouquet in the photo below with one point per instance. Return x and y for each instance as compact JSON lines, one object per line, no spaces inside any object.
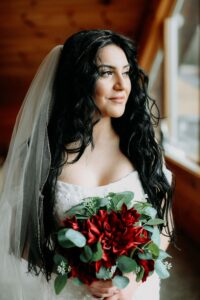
{"x":105,"y":238}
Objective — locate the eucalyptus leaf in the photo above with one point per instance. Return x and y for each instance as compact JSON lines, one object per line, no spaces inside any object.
{"x":133,"y":252}
{"x":153,"y":249}
{"x":161,"y":270}
{"x":149,"y":228}
{"x":60,"y":283}
{"x":77,"y":281}
{"x":99,"y":252}
{"x":77,"y":209}
{"x":81,"y":217}
{"x":126,"y":264}
{"x":91,"y":199}
{"x":104,"y":273}
{"x":119,"y":204}
{"x":59,"y":258}
{"x":141,"y":206}
{"x":76,"y":237}
{"x":143,"y":219}
{"x":120,"y":281}
{"x":156,"y":236}
{"x":140,"y":274}
{"x":122,"y":198}
{"x":146,"y":256}
{"x":103,"y":202}
{"x":138,"y":206}
{"x":163,"y":255}
{"x":150,"y":211}
{"x":86,"y":255}
{"x":63,"y":240}
{"x":155,"y":221}
{"x":67,"y":244}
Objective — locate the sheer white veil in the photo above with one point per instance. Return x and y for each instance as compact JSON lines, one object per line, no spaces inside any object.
{"x":25,"y":171}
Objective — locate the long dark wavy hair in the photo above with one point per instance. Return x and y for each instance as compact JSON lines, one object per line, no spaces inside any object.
{"x":72,"y":120}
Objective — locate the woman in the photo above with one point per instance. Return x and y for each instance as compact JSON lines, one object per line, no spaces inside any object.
{"x":84,"y":129}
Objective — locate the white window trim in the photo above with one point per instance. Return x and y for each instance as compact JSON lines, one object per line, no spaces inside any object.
{"x":171,"y":27}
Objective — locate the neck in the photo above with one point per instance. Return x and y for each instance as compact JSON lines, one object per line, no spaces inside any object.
{"x":103,"y":132}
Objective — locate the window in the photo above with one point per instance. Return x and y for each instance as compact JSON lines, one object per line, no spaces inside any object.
{"x":181,"y":128}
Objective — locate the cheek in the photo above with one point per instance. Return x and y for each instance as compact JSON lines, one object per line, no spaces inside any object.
{"x":128,"y":87}
{"x":100,"y":89}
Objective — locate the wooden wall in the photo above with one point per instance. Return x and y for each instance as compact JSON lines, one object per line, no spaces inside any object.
{"x":30,"y":28}
{"x":186,"y":205}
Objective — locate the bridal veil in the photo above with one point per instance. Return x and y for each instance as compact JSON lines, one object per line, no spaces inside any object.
{"x":23,"y":176}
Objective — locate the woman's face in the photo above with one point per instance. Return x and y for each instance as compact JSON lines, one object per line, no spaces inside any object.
{"x":113,"y":86}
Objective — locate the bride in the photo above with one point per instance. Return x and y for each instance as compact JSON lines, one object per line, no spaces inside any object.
{"x":84,"y":129}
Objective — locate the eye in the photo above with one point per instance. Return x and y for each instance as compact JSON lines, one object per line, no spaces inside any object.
{"x":126,"y":74}
{"x":105,"y":74}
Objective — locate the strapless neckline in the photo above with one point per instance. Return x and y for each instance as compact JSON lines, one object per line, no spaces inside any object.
{"x":77,"y":186}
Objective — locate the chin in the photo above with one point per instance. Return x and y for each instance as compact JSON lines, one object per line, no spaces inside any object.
{"x":117,"y":113}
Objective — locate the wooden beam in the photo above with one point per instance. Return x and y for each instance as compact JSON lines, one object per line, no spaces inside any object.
{"x":152,"y":37}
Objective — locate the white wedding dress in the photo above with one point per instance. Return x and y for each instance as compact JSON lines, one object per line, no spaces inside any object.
{"x":68,"y":195}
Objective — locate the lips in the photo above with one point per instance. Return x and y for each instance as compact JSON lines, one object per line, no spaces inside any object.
{"x":118,"y":99}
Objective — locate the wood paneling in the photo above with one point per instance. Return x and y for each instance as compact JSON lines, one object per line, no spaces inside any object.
{"x":186,"y":206}
{"x":30,"y":28}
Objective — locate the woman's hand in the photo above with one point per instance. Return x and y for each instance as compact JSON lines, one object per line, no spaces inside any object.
{"x":106,"y":290}
{"x":103,"y":289}
{"x":129,"y":291}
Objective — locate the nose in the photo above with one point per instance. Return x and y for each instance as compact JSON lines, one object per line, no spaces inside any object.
{"x":119,"y":82}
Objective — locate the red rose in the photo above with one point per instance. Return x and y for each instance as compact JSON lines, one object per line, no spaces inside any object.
{"x":116,"y":237}
{"x":71,"y":223}
{"x":116,"y":233}
{"x":148,"y":266}
{"x":129,"y":216}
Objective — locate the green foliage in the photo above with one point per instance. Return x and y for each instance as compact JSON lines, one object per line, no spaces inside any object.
{"x":117,"y":200}
{"x":140,"y":274}
{"x":156,"y":236}
{"x":97,"y":255}
{"x":150,"y":211}
{"x":161,"y":269}
{"x":60,"y":283}
{"x":68,"y":238}
{"x":120,"y":281}
{"x":146,"y":255}
{"x":163,"y":255}
{"x":62,"y":240}
{"x":153,"y":249}
{"x":91,"y":205}
{"x":77,"y":281}
{"x":86,"y":255}
{"x":126,"y":264}
{"x":155,"y":221}
{"x":59,"y":258}
{"x":105,"y":273}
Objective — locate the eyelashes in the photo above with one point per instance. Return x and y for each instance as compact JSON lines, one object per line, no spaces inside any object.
{"x":106,"y":74}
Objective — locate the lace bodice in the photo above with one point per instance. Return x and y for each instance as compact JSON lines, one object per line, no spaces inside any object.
{"x":68,"y":195}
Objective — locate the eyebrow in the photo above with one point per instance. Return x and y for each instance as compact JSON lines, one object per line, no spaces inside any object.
{"x":111,"y":67}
